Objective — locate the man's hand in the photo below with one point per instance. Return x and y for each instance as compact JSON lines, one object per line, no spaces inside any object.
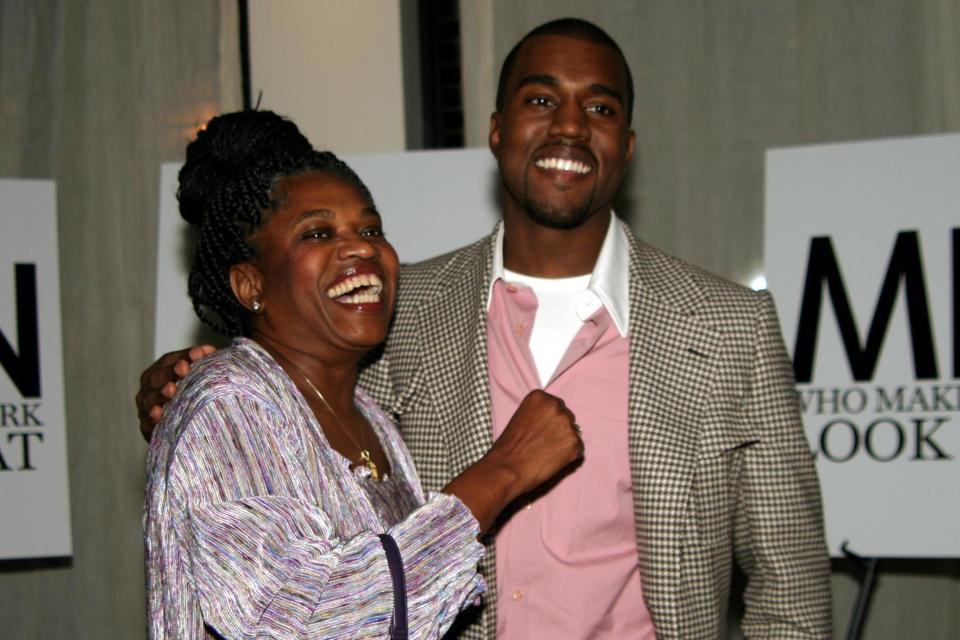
{"x":159,"y":382}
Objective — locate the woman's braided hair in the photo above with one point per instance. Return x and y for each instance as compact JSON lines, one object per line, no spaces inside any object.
{"x":227,"y":192}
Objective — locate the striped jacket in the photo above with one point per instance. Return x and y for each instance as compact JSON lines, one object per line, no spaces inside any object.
{"x":721,"y":468}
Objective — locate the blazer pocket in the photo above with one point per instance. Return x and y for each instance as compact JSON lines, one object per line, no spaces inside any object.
{"x":717,"y":481}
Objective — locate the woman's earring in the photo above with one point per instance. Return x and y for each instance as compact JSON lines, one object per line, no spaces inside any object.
{"x":256,"y":306}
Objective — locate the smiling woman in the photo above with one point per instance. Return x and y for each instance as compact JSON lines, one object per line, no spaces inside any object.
{"x":276,"y":488}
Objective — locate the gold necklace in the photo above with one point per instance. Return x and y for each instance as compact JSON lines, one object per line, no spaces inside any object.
{"x":365,"y":458}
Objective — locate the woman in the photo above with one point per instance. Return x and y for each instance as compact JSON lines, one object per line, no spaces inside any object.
{"x":272,"y":478}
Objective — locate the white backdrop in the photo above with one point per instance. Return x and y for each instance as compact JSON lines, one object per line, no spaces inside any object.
{"x":34,"y":488}
{"x":881,"y":411}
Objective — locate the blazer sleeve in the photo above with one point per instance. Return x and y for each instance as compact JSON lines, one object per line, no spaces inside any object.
{"x":779,"y":532}
{"x":267,"y":562}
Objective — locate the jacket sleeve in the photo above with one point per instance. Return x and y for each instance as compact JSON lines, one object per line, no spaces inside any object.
{"x":266,"y":560}
{"x":779,"y":531}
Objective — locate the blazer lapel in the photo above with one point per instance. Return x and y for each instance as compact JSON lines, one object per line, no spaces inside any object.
{"x":453,"y":326}
{"x":671,"y":368}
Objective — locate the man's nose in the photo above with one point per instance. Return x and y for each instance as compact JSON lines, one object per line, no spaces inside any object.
{"x":570,"y":121}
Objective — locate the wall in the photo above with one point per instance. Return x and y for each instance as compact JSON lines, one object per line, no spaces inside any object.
{"x":334,"y":67}
{"x":95,"y":95}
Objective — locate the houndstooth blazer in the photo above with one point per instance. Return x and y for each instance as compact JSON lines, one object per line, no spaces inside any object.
{"x":720,"y":464}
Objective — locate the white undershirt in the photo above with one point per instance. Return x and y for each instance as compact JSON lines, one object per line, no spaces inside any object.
{"x":562,"y":306}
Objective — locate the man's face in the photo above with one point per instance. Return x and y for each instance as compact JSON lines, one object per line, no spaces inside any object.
{"x":561,"y":140}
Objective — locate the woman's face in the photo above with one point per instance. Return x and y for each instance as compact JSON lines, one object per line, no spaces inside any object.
{"x":327,"y":276}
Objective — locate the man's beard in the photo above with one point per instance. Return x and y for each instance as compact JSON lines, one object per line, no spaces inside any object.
{"x":548,"y":215}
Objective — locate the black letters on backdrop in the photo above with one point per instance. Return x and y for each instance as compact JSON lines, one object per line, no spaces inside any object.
{"x":906,"y":265}
{"x":23,"y":365}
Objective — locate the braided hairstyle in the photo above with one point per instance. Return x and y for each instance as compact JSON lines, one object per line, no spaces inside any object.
{"x":228,"y":190}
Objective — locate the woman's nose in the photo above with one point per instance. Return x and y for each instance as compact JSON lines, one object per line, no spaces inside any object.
{"x":357,"y":246}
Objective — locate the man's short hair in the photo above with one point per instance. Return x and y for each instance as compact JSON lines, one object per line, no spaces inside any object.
{"x":570,"y":28}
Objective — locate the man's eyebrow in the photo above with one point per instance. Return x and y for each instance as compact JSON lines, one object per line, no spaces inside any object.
{"x":552,"y":81}
{"x":607,"y":90}
{"x":538,"y":78}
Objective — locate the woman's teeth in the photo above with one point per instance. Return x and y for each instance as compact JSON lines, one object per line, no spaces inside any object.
{"x":344,"y":291}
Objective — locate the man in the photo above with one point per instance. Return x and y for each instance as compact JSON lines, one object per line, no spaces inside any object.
{"x":694,"y":451}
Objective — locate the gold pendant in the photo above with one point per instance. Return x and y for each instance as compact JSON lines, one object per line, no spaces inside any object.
{"x":369,"y":464}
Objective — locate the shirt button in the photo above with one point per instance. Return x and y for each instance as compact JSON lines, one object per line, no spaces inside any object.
{"x":512,"y":288}
{"x":528,"y":506}
{"x":517,"y":595}
{"x":519,"y":329}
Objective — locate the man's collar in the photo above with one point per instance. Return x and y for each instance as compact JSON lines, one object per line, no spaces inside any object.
{"x":610,"y":278}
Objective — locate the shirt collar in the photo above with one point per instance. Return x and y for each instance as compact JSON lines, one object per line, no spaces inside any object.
{"x":610,"y":279}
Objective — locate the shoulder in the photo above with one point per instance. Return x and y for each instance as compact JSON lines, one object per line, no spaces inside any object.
{"x":688,"y":288}
{"x":230,"y":400}
{"x":455,"y":276}
{"x":427,"y":276}
{"x":242,"y":363}
{"x":242,"y":370}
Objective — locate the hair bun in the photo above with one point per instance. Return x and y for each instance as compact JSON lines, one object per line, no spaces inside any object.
{"x":228,"y":147}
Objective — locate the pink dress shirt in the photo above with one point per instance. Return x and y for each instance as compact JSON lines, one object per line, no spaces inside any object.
{"x":567,"y":563}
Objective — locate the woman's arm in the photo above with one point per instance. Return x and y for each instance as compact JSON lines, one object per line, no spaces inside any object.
{"x":238,"y":504}
{"x":272,"y":566}
{"x":540,"y":441}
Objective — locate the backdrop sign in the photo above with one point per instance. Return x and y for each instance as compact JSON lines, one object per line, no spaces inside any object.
{"x":431,"y":202}
{"x":33,"y":448}
{"x":863,"y":258}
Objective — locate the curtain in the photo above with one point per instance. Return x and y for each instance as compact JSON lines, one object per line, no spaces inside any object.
{"x":95,"y":95}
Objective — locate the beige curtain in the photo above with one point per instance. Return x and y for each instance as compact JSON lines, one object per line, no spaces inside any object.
{"x":95,"y":95}
{"x":720,"y":81}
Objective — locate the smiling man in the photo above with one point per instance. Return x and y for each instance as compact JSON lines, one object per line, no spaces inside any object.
{"x":695,"y":456}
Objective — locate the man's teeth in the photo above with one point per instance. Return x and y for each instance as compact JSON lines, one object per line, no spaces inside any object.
{"x":352,"y":283}
{"x":563,"y":165}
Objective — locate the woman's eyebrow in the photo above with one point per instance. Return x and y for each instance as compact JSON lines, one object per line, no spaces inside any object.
{"x":326,"y":214}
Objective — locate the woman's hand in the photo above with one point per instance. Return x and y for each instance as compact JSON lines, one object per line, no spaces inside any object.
{"x":158,"y":383}
{"x":540,"y":440}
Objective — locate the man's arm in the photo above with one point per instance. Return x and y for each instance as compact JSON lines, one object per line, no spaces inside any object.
{"x":158,"y":383}
{"x":779,"y":533}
